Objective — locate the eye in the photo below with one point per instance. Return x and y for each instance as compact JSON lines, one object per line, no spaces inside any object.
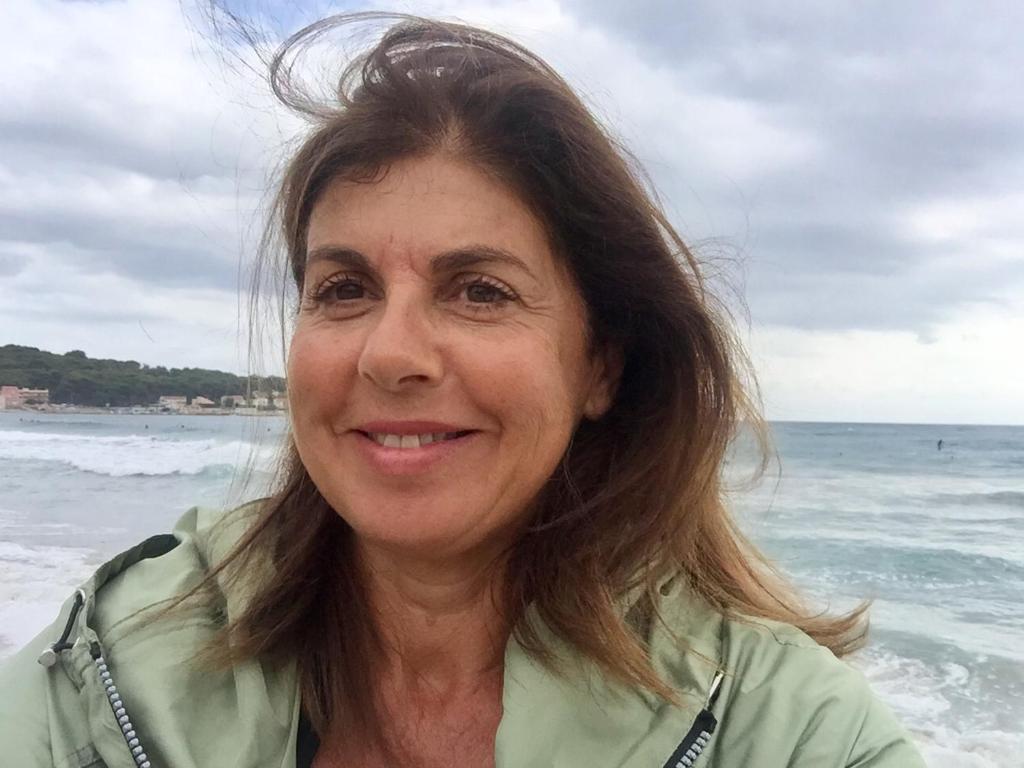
{"x":338,"y":296}
{"x":482,"y":293}
{"x":344,"y":290}
{"x":338,"y":288}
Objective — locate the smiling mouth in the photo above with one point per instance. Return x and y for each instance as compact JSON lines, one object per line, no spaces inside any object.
{"x":413,"y":441}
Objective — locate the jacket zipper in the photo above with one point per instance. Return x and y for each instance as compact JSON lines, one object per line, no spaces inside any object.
{"x":50,"y":655}
{"x":117,"y":705}
{"x":699,"y":735}
{"x":155,"y":546}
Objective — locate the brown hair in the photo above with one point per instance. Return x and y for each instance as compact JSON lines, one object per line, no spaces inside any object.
{"x":638,"y":495}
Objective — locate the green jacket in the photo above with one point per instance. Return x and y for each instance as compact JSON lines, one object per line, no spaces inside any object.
{"x":781,"y":699}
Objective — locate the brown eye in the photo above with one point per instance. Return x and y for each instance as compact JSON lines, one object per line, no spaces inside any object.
{"x":345,"y":291}
{"x":483,"y":293}
{"x":338,"y":289}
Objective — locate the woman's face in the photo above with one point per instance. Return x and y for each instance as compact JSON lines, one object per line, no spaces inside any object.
{"x":439,"y":364}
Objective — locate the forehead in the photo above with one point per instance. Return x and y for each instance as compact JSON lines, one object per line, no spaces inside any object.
{"x":424,"y":206}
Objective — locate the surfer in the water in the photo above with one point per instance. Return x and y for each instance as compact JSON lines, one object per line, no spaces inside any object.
{"x":501,"y":534}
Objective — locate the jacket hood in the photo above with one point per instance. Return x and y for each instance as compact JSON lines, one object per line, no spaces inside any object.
{"x":145,"y":700}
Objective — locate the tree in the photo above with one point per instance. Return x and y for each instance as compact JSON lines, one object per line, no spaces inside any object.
{"x":77,"y":379}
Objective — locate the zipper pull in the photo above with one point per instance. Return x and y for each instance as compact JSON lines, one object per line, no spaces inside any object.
{"x":49,"y":656}
{"x":716,"y":683}
{"x":700,"y":733}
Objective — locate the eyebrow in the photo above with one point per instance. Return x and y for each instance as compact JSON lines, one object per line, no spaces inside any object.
{"x":448,"y":261}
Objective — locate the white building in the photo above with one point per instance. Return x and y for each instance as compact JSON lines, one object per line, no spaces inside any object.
{"x":172,"y":402}
{"x":34,"y":396}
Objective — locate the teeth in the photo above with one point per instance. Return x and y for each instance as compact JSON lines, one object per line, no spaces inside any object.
{"x":411,"y":441}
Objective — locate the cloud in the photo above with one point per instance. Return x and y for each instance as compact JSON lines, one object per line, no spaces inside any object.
{"x":903,"y":105}
{"x":146,"y":227}
{"x":133,"y":165}
{"x":122,"y":134}
{"x":964,"y":373}
{"x":11,"y":264}
{"x":53,"y":306}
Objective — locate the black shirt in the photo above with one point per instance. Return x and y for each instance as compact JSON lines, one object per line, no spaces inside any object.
{"x":306,"y":743}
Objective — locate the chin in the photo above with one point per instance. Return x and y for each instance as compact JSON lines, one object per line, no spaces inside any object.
{"x":432,"y":530}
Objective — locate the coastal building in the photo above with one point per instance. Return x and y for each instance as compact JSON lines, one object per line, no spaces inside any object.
{"x":172,"y":402}
{"x":233,"y":401}
{"x":202,"y":402}
{"x":34,"y":396}
{"x":9,"y":398}
{"x":19,"y":397}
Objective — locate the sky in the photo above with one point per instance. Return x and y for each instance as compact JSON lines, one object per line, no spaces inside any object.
{"x":855,"y":169}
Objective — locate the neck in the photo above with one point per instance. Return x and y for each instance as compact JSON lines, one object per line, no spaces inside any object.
{"x":444,"y":630}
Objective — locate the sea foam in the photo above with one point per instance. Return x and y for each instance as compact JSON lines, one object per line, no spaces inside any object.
{"x":126,"y":455}
{"x":921,"y":694}
{"x":34,"y":583}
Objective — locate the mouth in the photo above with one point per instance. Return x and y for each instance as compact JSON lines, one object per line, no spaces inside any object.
{"x":407,"y":442}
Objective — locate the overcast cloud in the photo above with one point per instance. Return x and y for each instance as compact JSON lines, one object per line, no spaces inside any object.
{"x":864,"y":162}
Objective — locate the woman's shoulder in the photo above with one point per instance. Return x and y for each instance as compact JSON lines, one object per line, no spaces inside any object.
{"x":146,"y":576}
{"x":53,"y":693}
{"x":152,"y":572}
{"x":785,"y":696}
{"x":167,"y":565}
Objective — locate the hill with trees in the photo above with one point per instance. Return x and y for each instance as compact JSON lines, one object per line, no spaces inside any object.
{"x":77,"y":379}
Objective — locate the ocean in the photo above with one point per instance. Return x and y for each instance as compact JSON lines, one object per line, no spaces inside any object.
{"x":935,"y":537}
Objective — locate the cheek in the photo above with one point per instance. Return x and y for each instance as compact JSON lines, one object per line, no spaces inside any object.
{"x":316,"y":370}
{"x":301,"y":369}
{"x":534,"y":385}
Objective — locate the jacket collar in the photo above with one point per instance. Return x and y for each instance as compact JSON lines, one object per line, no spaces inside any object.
{"x":580,"y":717}
{"x":571,"y":719}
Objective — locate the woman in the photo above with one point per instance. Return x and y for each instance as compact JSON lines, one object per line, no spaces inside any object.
{"x":499,"y":537}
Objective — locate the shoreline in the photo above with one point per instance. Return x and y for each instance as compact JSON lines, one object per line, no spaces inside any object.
{"x":137,"y":410}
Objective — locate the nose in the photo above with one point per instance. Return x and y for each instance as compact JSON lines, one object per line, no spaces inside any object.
{"x":400,"y":351}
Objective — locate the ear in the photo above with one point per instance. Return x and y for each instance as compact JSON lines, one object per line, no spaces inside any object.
{"x":606,"y":370}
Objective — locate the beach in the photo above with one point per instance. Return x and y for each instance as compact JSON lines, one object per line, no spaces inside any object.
{"x":934,"y":535}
